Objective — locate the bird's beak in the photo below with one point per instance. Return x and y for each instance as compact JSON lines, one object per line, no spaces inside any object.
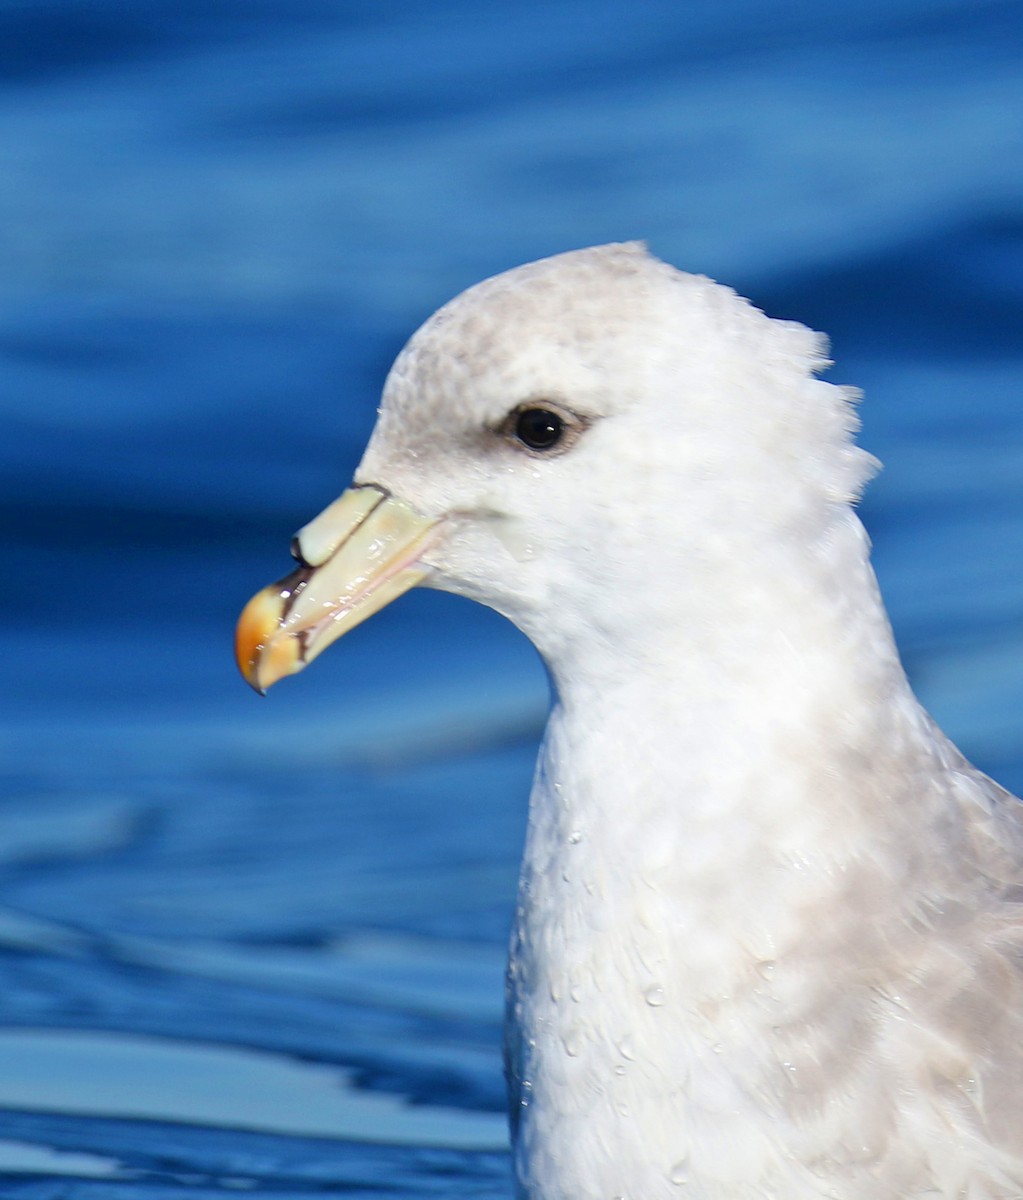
{"x":357,"y":556}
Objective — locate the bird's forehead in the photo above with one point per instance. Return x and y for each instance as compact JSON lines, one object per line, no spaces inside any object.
{"x":554,"y":329}
{"x":485,"y":360}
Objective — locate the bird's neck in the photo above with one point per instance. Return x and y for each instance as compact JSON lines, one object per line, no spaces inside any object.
{"x":732,"y":652}
{"x":734,"y":763}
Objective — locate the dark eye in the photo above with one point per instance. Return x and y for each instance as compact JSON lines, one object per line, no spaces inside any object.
{"x":539,"y":428}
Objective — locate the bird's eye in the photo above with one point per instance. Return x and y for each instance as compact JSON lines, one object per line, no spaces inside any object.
{"x":542,"y":426}
{"x":539,"y":428}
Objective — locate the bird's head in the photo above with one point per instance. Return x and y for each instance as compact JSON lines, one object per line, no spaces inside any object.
{"x":564,"y":434}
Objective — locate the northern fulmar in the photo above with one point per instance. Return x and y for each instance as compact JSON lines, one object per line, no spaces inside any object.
{"x":768,"y":942}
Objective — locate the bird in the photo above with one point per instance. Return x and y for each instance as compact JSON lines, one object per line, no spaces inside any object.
{"x":768,"y":937}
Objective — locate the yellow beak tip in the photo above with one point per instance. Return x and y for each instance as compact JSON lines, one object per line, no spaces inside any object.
{"x":259,"y":621}
{"x":361,"y":553}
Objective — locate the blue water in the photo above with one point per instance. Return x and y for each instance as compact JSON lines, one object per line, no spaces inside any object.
{"x":257,"y":945}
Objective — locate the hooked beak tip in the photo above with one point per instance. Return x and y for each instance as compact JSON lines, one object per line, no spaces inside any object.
{"x":359,"y":554}
{"x":257,"y":624}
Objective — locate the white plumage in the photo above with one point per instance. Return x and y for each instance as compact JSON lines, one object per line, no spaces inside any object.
{"x":769,"y":936}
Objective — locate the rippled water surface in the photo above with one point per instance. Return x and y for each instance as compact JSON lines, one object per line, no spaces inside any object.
{"x":258,"y":945}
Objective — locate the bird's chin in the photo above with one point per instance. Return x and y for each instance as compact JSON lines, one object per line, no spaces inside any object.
{"x":515,"y":605}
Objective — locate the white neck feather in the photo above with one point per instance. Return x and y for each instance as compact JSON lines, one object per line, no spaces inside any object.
{"x":675,"y":891}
